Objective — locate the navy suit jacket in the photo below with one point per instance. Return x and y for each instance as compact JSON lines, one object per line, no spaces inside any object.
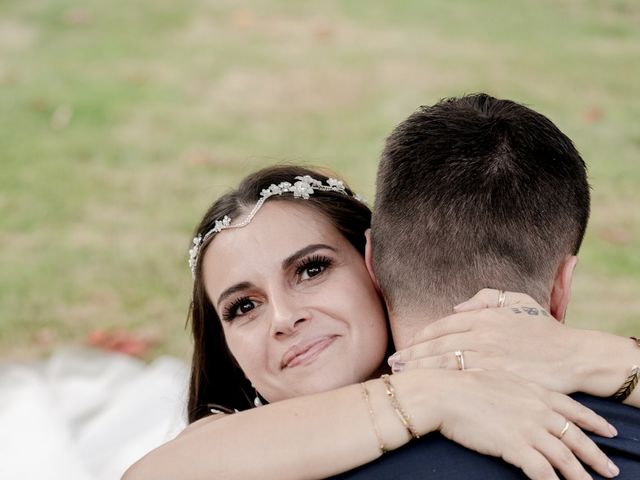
{"x":435,"y":457}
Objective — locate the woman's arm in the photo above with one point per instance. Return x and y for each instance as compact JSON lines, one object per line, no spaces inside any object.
{"x":522,"y":338}
{"x":320,"y":435}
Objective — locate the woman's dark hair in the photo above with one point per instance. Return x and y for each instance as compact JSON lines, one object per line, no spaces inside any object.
{"x":216,"y":379}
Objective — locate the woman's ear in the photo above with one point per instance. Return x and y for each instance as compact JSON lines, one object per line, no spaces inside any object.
{"x":368,"y":260}
{"x":561,"y":290}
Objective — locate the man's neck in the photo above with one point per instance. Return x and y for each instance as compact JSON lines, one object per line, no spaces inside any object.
{"x":406,"y":328}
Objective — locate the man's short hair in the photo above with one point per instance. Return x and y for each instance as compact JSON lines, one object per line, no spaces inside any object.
{"x":475,"y":192}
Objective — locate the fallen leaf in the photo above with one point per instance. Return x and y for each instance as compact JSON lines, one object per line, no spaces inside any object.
{"x":134,"y":344}
{"x":323,"y":33}
{"x":77,"y":17}
{"x":243,"y":18}
{"x":592,"y":115}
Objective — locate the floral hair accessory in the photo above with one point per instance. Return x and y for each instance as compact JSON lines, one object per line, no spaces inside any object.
{"x":303,"y":187}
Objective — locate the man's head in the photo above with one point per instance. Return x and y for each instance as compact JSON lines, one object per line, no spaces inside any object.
{"x":475,"y":192}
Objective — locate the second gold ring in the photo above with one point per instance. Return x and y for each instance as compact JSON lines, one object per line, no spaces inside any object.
{"x":501,"y":298}
{"x":460,"y":359}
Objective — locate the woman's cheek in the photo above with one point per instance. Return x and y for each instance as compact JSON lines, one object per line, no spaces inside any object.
{"x":242,"y":350}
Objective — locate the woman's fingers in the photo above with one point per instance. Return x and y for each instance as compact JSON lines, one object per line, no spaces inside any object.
{"x":430,"y":348}
{"x":490,"y":297}
{"x":565,"y":446}
{"x":582,"y":416}
{"x":532,"y":463}
{"x":549,"y":453}
{"x":563,"y":427}
{"x":588,"y":452}
{"x":527,"y":423}
{"x":562,"y":458}
{"x":436,"y":361}
{"x":522,"y":339}
{"x":467,"y":360}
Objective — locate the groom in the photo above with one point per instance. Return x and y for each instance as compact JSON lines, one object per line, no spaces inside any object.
{"x":475,"y":192}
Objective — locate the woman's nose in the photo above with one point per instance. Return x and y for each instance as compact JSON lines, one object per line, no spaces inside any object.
{"x":287,"y":314}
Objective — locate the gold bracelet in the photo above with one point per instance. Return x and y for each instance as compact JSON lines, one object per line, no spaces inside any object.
{"x":365,"y":393}
{"x":628,"y":385}
{"x":404,"y":418}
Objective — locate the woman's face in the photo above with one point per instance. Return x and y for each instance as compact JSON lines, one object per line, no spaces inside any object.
{"x":298,"y":309}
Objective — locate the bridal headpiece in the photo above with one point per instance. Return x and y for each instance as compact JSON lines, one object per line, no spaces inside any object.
{"x":303,"y":187}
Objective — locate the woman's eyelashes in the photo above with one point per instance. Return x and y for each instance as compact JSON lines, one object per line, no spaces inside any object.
{"x":312,"y":266}
{"x":238,"y":308}
{"x":305,"y":269}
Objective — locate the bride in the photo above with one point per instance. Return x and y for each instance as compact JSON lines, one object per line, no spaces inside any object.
{"x":285,"y":315}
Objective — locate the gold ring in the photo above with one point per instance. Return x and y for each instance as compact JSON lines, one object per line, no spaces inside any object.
{"x":564,"y":430}
{"x":460,"y":359}
{"x":501,"y":298}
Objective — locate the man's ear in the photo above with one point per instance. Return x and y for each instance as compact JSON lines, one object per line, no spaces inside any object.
{"x":561,"y":290}
{"x":368,"y":260}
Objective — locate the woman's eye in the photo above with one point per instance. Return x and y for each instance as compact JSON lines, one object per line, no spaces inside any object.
{"x":245,"y":306}
{"x":238,"y":308}
{"x":312,"y":267}
{"x":312,"y":270}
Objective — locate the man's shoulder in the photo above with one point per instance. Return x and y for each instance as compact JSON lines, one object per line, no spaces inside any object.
{"x":435,"y":457}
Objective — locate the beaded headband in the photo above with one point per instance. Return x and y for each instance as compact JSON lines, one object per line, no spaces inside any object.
{"x":302,"y":188}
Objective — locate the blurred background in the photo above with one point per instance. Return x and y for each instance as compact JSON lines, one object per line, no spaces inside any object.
{"x":121,"y":121}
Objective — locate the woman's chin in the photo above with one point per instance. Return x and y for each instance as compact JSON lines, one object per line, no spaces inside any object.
{"x":323,"y":381}
{"x":326,"y":370}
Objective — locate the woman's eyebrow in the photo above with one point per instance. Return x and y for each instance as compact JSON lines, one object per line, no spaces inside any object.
{"x":286,"y":263}
{"x":238,"y":287}
{"x":291,"y":259}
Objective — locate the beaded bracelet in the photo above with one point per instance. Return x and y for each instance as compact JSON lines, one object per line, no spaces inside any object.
{"x":365,"y":394}
{"x":404,"y":418}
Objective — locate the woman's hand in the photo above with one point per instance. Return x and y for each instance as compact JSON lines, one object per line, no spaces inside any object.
{"x":504,"y":416}
{"x":521,"y":338}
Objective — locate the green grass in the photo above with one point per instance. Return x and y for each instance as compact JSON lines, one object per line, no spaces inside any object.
{"x":121,"y":123}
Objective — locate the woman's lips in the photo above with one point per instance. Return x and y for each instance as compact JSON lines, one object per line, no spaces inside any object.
{"x":306,"y":352}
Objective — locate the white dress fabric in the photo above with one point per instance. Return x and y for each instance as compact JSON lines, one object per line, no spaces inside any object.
{"x":86,"y":414}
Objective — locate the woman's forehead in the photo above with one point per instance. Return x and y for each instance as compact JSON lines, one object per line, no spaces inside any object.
{"x":279,"y":229}
{"x":295,"y":220}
